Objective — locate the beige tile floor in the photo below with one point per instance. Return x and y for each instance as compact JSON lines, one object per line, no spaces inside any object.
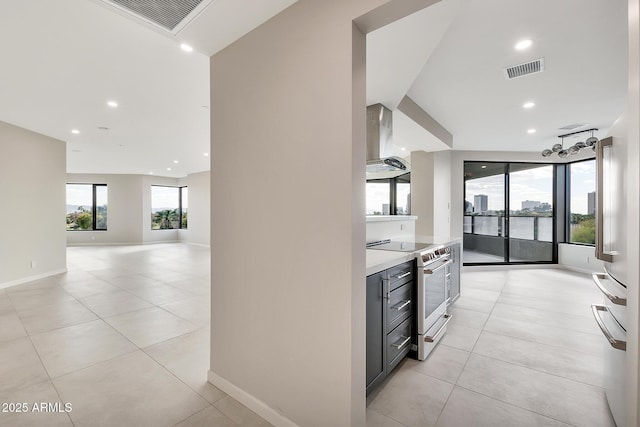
{"x":124,"y":337}
{"x":522,"y":350}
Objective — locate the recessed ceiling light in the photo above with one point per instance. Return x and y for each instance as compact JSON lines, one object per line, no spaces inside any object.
{"x":523,"y":44}
{"x":186,"y":47}
{"x":403,"y":148}
{"x":112,"y":104}
{"x":528,"y":105}
{"x":150,"y":173}
{"x":175,"y":161}
{"x":531,"y":131}
{"x":168,"y":169}
{"x":76,"y":131}
{"x":483,"y":166}
{"x":206,"y":154}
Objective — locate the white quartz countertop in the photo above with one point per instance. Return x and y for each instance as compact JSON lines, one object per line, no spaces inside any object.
{"x":381,"y":260}
{"x":378,"y":260}
{"x":380,"y":218}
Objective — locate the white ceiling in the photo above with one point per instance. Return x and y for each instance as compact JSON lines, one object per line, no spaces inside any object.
{"x":584,"y":44}
{"x":63,"y":60}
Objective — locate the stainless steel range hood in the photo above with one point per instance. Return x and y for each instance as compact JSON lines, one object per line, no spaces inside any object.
{"x":380,"y":142}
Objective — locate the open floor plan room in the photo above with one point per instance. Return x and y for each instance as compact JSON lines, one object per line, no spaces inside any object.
{"x":123,"y":337}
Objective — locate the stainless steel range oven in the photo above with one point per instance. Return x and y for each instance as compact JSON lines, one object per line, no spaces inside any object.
{"x":434,"y":297}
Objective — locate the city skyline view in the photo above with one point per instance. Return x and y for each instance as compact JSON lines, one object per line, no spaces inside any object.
{"x":534,"y":184}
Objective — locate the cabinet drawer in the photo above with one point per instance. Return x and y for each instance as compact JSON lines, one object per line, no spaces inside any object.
{"x":401,"y":274}
{"x":399,"y":306}
{"x":398,"y":343}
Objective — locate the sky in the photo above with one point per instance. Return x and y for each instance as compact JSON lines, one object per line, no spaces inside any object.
{"x":162,"y":197}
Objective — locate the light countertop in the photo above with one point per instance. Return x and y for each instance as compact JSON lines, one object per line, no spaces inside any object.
{"x":380,"y":218}
{"x":381,"y":260}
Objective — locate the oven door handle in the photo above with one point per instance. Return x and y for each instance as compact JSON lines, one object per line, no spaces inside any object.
{"x":433,"y":270}
{"x":432,"y":338}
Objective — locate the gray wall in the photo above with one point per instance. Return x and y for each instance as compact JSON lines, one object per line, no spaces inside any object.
{"x":288,"y":290}
{"x":32,"y":193}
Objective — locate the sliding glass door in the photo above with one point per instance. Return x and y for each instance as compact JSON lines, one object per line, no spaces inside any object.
{"x":521,"y":233}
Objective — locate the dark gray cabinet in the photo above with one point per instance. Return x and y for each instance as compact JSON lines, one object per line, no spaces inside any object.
{"x":390,"y":307}
{"x":375,"y":330}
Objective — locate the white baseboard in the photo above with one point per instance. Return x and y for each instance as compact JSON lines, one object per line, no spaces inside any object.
{"x":103,"y":244}
{"x":32,"y":278}
{"x":250,"y":401}
{"x":578,"y":269}
{"x":527,"y":267}
{"x":508,"y":267}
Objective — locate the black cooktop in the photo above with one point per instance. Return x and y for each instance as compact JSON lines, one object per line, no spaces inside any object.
{"x":387,"y":245}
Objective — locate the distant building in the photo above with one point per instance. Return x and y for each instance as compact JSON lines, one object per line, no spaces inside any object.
{"x":480,"y":203}
{"x":530,"y":205}
{"x":386,"y":210}
{"x":468,"y":207}
{"x":591,"y":203}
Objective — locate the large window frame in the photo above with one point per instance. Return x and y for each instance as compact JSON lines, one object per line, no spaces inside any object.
{"x":94,"y":207}
{"x":180,"y":210}
{"x":393,"y":183}
{"x":505,"y":233}
{"x":567,"y":201}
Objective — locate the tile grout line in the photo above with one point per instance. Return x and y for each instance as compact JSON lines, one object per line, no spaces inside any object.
{"x":515,"y":405}
{"x":50,"y":378}
{"x":491,"y":397}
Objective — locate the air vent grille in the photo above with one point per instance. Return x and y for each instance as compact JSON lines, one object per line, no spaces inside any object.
{"x":572,"y":126}
{"x":520,"y":70}
{"x":167,"y":14}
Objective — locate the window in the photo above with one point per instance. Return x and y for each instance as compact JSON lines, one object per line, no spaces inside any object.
{"x":390,"y":196}
{"x":582,"y":202}
{"x":378,"y":195}
{"x":508,"y":212}
{"x":184,"y":204}
{"x":86,"y":207}
{"x":168,"y":211}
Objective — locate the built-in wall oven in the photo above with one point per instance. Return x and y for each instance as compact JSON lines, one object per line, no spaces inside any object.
{"x":434,"y":297}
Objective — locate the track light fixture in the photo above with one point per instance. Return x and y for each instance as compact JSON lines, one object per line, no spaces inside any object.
{"x":574,"y":149}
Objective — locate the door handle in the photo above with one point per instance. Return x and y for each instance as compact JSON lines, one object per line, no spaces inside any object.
{"x":620,"y":345}
{"x":613,"y":298}
{"x":600,"y":253}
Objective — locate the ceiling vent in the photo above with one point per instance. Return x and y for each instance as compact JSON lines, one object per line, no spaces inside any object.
{"x":169,"y":15}
{"x":572,"y":126}
{"x":532,"y":67}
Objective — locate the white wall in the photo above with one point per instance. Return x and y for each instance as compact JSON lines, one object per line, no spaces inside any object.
{"x":129,"y":210}
{"x":431,"y":192}
{"x":199,"y":227}
{"x":396,"y":228}
{"x":124,"y":210}
{"x":32,"y":194}
{"x":579,"y":258}
{"x":288,"y":290}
